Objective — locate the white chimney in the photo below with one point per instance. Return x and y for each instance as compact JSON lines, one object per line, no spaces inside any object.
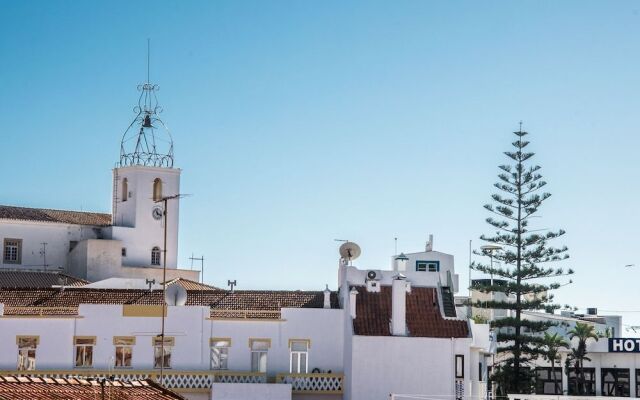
{"x":429,"y":246}
{"x":327,"y":298}
{"x":352,"y":302}
{"x":399,"y":306}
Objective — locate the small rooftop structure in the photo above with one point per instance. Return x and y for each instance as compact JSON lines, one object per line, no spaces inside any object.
{"x":33,"y":388}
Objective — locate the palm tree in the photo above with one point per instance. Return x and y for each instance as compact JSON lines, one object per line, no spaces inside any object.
{"x":551,"y":345}
{"x":583,"y":332}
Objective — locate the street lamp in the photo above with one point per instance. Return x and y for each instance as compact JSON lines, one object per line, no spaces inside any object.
{"x":490,"y":249}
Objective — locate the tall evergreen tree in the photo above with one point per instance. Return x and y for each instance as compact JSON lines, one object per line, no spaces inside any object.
{"x":523,"y":263}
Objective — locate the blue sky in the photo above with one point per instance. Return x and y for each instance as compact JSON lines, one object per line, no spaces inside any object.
{"x":299,"y":122}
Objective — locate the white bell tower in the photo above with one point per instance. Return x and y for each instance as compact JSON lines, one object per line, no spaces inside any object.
{"x":142,"y":179}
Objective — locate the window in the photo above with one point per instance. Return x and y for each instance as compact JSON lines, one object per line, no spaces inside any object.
{"x":157,"y":189}
{"x":162,"y":358}
{"x":615,"y":382}
{"x":575,"y":385}
{"x":637,"y":382}
{"x":12,"y":251}
{"x":84,"y":350}
{"x":259,"y":349}
{"x":155,"y":256}
{"x":547,"y":382}
{"x":124,"y":252}
{"x":219,"y":352}
{"x":299,"y":358}
{"x":124,"y":350}
{"x":27,"y":352}
{"x":459,"y":366}
{"x":430,"y":266}
{"x":125,"y":189}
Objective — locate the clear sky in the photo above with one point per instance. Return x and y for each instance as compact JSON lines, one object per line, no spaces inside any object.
{"x":299,"y":122}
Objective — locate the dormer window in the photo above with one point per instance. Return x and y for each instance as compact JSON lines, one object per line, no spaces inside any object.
{"x":157,"y":189}
{"x":427,"y":266}
{"x":125,"y":189}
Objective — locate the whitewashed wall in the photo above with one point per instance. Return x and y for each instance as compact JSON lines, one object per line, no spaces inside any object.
{"x":191,"y":328}
{"x":383,"y":365}
{"x":33,"y":234}
{"x":136,"y":213}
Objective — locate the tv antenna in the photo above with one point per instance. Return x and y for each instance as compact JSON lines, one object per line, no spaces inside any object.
{"x":349,"y":251}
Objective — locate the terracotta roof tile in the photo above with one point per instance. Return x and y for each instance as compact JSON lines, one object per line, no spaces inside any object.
{"x":36,"y":279}
{"x":373,"y":314}
{"x":25,"y":388}
{"x":59,"y":216}
{"x":191,"y":285}
{"x":58,"y":302}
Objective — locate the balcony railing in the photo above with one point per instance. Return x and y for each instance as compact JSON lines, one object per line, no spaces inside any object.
{"x":313,"y":383}
{"x":171,"y":379}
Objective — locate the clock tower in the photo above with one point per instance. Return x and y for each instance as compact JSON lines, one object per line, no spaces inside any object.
{"x":144,"y":176}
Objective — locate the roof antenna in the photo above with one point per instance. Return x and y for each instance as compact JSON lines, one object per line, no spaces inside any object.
{"x":148,"y":58}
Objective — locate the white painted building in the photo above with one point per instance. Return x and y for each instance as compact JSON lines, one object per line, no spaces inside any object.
{"x":381,"y":332}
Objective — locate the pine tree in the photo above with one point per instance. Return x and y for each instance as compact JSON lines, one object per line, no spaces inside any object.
{"x":526,"y":259}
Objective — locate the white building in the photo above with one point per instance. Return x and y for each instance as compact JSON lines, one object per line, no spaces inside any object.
{"x":128,"y":243}
{"x":380,"y":333}
{"x":75,"y":301}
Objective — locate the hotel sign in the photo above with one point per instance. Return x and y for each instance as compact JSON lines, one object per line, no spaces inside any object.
{"x":624,"y":345}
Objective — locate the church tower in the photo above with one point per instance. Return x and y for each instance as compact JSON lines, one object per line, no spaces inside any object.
{"x":142,"y":179}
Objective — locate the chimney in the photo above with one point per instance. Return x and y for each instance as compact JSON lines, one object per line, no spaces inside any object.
{"x":327,"y":298}
{"x":399,"y":306}
{"x":352,"y":302}
{"x":1,"y":309}
{"x":429,"y":246}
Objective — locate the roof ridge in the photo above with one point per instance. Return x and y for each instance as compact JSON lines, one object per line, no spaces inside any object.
{"x":55,"y":209}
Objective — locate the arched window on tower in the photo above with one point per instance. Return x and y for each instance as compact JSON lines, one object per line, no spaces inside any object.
{"x":155,"y":256}
{"x":125,"y":189}
{"x":157,"y":189}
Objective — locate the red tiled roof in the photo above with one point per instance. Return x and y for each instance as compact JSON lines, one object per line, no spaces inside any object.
{"x":57,"y":302}
{"x":33,"y":388}
{"x":191,"y":285}
{"x":60,"y":216}
{"x":373,"y":314}
{"x":37,"y":279}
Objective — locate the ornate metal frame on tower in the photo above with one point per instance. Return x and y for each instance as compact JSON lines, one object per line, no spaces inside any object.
{"x":153,"y":141}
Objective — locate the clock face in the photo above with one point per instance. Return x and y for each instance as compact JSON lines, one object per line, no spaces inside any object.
{"x":157,"y":213}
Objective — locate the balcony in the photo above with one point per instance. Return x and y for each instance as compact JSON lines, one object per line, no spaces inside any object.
{"x":313,"y":383}
{"x":202,"y":380}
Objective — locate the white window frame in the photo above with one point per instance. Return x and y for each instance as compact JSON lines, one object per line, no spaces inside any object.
{"x":296,"y":356}
{"x":155,"y":255}
{"x":27,"y":348}
{"x":84,"y":350}
{"x":12,"y":251}
{"x":219,"y":353}
{"x":158,"y":356}
{"x":259,"y":354}
{"x":124,"y":344}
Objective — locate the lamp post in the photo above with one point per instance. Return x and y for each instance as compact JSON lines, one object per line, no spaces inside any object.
{"x":164,"y":202}
{"x":490,"y":249}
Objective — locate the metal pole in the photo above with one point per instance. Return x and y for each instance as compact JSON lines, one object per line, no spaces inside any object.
{"x":164,"y":290}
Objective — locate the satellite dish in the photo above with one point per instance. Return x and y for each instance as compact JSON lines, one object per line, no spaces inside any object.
{"x":175,"y":295}
{"x":350,"y":251}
